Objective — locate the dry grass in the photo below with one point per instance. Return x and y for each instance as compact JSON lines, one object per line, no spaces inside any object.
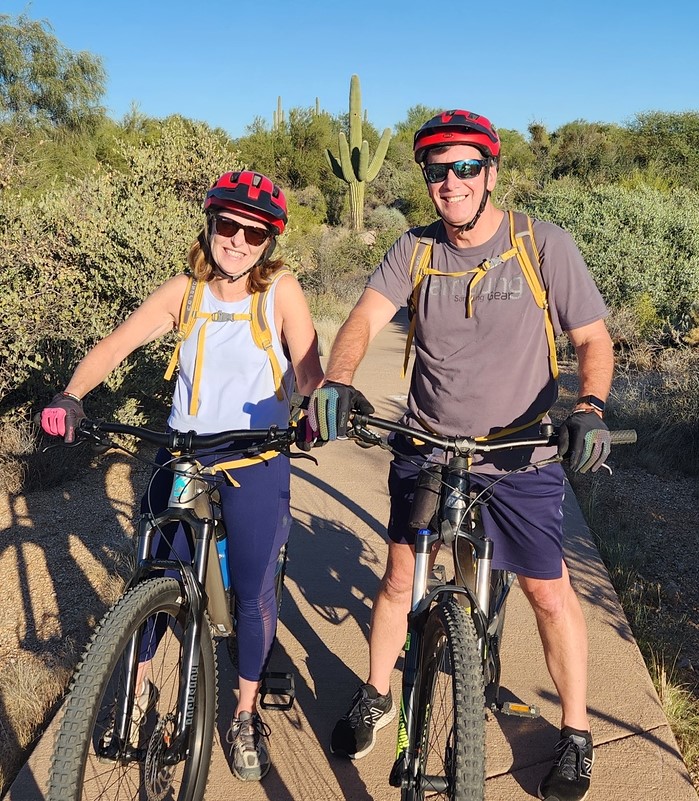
{"x":30,"y":688}
{"x":329,"y":312}
{"x":645,"y":521}
{"x":17,"y":443}
{"x":682,"y":710}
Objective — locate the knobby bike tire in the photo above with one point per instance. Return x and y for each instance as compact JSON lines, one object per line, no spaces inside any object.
{"x":450,"y":727}
{"x":77,"y":773}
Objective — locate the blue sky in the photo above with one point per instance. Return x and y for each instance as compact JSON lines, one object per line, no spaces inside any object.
{"x":524,"y":62}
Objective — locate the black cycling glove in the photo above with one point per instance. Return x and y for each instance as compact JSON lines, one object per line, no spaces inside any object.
{"x":584,"y":439}
{"x":330,"y":407}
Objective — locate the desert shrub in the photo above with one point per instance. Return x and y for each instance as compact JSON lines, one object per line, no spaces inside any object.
{"x":79,"y":259}
{"x":343,"y":258}
{"x":384,"y":218}
{"x":662,"y":403}
{"x":299,"y":242}
{"x":642,"y":246}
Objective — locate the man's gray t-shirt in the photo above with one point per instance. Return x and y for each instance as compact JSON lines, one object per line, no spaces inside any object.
{"x":475,"y":375}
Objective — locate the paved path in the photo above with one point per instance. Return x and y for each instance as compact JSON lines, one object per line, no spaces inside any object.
{"x":336,"y":556}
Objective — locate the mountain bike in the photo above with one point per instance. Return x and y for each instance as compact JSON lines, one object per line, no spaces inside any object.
{"x":113,"y":743}
{"x":455,"y":628}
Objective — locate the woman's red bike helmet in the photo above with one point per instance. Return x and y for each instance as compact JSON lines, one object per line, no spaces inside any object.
{"x":251,"y":194}
{"x":457,"y":127}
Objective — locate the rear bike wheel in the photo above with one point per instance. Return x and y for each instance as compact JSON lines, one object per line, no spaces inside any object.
{"x":449,"y":736}
{"x":80,"y":768}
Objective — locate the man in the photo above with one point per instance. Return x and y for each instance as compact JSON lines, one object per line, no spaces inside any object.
{"x":485,"y":364}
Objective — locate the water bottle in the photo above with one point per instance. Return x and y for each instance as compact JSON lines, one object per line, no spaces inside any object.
{"x":222,"y":548}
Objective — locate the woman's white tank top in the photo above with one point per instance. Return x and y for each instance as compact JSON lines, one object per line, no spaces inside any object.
{"x":237,"y":386}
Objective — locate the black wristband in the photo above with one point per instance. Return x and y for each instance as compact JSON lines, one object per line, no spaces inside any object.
{"x":593,"y":401}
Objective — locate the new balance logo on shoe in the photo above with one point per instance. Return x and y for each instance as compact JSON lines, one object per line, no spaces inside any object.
{"x":354,"y":734}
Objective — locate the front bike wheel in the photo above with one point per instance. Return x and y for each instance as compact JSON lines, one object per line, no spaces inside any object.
{"x":80,"y":768}
{"x":449,"y":736}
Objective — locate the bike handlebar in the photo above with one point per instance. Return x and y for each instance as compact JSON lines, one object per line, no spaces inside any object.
{"x":470,"y":445}
{"x":271,"y":438}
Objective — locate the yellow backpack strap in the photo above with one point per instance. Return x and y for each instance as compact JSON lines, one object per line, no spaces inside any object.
{"x":191,"y":301}
{"x":522,"y":237}
{"x":506,"y":432}
{"x":418,"y":269}
{"x":262,"y":334}
{"x":226,"y":467}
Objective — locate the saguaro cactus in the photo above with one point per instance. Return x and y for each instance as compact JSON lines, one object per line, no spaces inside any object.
{"x":353,"y":164}
{"x":278,"y":116}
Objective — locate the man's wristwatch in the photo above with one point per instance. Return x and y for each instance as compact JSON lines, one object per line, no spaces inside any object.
{"x":591,"y":400}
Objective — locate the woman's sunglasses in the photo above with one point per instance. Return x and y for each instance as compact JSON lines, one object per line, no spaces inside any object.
{"x":468,"y":168}
{"x":224,"y":226}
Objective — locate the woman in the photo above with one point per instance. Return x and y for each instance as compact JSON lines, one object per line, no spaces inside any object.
{"x":226,"y":380}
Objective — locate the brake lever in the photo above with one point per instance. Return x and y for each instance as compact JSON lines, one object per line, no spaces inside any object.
{"x":366,"y":438}
{"x":300,"y":455}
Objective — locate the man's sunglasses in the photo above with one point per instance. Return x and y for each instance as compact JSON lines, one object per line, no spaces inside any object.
{"x":224,"y":226}
{"x":468,"y":168}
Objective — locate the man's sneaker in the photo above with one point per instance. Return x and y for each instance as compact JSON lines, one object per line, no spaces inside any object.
{"x":355,"y":733}
{"x":249,"y":754}
{"x":142,"y":705}
{"x":569,"y":778}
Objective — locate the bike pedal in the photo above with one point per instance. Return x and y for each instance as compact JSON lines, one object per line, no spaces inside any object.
{"x":519,"y":710}
{"x":279,"y":687}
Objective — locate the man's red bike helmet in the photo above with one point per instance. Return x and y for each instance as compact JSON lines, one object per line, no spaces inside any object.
{"x":457,"y":127}
{"x":251,"y":194}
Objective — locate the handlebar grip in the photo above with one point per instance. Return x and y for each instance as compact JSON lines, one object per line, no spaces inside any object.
{"x":623,"y":436}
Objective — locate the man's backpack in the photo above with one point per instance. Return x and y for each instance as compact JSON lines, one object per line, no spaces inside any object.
{"x":523,"y":248}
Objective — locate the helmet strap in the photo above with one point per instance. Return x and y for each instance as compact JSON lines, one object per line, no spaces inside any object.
{"x":460,"y":229}
{"x":470,"y":225}
{"x":233,"y":278}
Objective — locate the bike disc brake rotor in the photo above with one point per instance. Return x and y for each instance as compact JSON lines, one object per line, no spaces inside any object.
{"x":158,"y":777}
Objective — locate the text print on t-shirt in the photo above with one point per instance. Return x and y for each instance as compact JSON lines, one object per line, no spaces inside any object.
{"x":490,"y":288}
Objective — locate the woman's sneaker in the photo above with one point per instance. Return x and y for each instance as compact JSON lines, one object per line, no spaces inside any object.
{"x":569,"y":778}
{"x":250,"y":760}
{"x":143,"y":703}
{"x":354,"y":734}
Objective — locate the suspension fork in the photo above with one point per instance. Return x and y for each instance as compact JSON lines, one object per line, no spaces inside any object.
{"x":192,"y":577}
{"x":417,"y":618}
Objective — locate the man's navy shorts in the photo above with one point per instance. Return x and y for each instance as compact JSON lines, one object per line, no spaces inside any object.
{"x":523,"y":516}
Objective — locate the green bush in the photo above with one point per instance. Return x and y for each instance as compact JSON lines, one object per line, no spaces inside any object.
{"x":79,"y":259}
{"x":638,"y":244}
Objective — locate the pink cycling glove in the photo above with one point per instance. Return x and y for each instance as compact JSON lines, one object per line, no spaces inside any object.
{"x":61,"y":417}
